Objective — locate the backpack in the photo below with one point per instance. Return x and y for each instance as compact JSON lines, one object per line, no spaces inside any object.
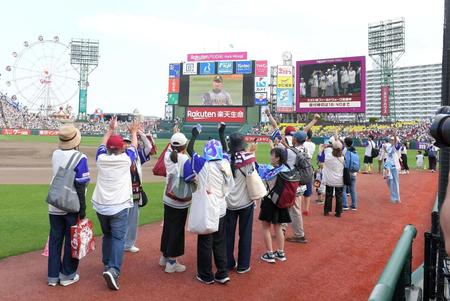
{"x":375,"y":151}
{"x":177,"y":189}
{"x":62,"y":193}
{"x":303,"y":166}
{"x":352,"y":161}
{"x":160,"y":168}
{"x":284,"y":193}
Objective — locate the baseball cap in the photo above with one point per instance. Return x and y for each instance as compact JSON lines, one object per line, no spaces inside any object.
{"x":300,"y":136}
{"x":178,"y":139}
{"x":115,"y":142}
{"x":337,"y":145}
{"x":218,"y":78}
{"x":289,"y":130}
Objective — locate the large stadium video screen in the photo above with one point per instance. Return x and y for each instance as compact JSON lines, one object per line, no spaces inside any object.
{"x":331,"y":85}
{"x":211,"y":90}
{"x":216,"y":90}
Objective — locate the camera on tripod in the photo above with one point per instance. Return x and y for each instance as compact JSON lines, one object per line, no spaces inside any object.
{"x":440,"y":128}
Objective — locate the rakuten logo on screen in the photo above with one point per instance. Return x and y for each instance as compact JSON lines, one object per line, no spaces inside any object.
{"x":201,"y":115}
{"x":216,"y":114}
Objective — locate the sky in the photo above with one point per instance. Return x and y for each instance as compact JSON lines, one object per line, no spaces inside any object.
{"x":139,"y":38}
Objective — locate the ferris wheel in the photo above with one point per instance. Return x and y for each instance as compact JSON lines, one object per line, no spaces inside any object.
{"x":41,"y":76}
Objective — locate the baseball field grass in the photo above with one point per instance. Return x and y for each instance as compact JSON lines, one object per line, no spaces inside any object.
{"x":24,"y":224}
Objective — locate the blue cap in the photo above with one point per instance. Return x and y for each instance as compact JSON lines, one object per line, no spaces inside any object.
{"x":300,"y":136}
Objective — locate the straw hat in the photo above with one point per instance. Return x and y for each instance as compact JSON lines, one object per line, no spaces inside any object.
{"x":69,"y":137}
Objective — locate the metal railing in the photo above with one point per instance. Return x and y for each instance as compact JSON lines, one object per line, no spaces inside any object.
{"x":396,"y":277}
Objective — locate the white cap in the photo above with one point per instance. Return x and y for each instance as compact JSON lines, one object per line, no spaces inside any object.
{"x":178,"y":139}
{"x":337,"y":145}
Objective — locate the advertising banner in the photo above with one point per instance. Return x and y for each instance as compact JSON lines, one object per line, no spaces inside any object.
{"x":48,"y":133}
{"x":174,"y":70}
{"x":189,"y":68}
{"x":385,"y":100}
{"x":207,"y":68}
{"x":261,"y":99}
{"x":285,"y":82}
{"x":336,"y":85}
{"x":225,"y":68}
{"x":172,"y":98}
{"x":264,"y":118}
{"x":168,"y":112}
{"x":16,"y":132}
{"x":222,"y":56}
{"x":285,"y":71}
{"x":244,"y":67}
{"x":261,"y":84}
{"x":83,"y":101}
{"x":261,"y":68}
{"x":174,"y":85}
{"x":256,"y":138}
{"x":285,"y":100}
{"x":215,"y":114}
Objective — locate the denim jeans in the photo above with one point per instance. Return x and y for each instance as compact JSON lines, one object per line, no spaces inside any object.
{"x":114,"y":228}
{"x":352,"y":190}
{"x":394,"y":185}
{"x":59,"y":233}
{"x":245,"y":217}
{"x":132,"y":226}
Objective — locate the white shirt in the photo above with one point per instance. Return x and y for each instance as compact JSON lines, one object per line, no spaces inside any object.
{"x":370,"y":145}
{"x":419,"y":160}
{"x":214,"y":179}
{"x":330,"y":80}
{"x":333,"y":171}
{"x":335,"y":76}
{"x":303,"y":88}
{"x":113,"y":191}
{"x":311,"y":147}
{"x":351,"y":77}
{"x":344,"y":76}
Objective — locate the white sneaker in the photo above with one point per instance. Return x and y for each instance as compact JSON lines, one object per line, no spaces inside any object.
{"x":132,"y":249}
{"x":53,"y":284}
{"x":70,"y":281}
{"x":162,"y":261}
{"x":176,"y":267}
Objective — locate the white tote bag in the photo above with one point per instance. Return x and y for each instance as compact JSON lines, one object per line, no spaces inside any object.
{"x":204,"y":214}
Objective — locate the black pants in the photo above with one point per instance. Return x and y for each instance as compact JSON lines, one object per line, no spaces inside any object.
{"x":338,"y":191}
{"x":210,"y":244}
{"x":405,"y":162}
{"x":432,"y":163}
{"x":172,"y":238}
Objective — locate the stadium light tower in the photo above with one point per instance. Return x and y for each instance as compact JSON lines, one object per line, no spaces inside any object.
{"x":84,"y":58}
{"x":386,"y":46}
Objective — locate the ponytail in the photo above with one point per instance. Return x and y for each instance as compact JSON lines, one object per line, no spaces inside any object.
{"x":175,"y":151}
{"x":174,"y":156}
{"x":233,"y":164}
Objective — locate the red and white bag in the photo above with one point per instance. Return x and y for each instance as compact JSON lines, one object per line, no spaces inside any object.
{"x":160,"y":168}
{"x":82,"y":238}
